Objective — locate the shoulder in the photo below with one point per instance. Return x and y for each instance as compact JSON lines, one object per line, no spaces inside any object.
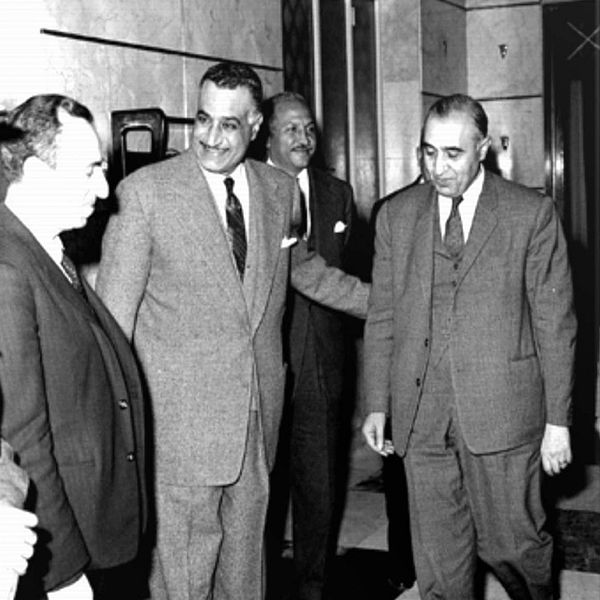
{"x":267,"y":173}
{"x":159,"y":173}
{"x":517,"y":199}
{"x":322,"y":178}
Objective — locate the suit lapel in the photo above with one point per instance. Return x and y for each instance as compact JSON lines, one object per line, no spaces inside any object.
{"x":201,"y":233}
{"x":484,"y":222}
{"x":267,"y":208}
{"x":424,"y":234}
{"x":41,"y":261}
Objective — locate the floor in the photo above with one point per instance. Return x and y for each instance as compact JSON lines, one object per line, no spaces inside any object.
{"x":359,"y":570}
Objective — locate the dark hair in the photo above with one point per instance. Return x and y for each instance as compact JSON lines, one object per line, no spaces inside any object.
{"x":232,"y":75}
{"x":31,"y":128}
{"x":460,"y":103}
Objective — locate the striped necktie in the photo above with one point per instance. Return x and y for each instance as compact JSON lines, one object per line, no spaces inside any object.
{"x":236,"y":229}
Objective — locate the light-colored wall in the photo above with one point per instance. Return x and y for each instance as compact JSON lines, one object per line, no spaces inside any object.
{"x":458,"y":51}
{"x":107,"y":76}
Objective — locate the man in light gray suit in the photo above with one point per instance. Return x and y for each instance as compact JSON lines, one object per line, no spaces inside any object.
{"x":195,"y":268}
{"x":469,"y":346}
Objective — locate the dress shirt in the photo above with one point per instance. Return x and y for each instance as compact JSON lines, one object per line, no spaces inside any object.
{"x":466,"y":208}
{"x":304,"y":185}
{"x":52,"y":244}
{"x":303,"y":182}
{"x":216,"y":184}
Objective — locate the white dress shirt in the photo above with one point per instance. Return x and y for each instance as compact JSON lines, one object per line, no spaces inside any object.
{"x":216,"y":184}
{"x":466,"y":208}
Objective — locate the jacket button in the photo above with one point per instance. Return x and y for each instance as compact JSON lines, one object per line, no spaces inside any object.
{"x":131,"y":457}
{"x":123,"y":404}
{"x":426,"y":342}
{"x":418,"y":382}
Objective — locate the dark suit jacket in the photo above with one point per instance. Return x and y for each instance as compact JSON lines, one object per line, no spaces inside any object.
{"x":331,"y":208}
{"x":512,"y":329}
{"x":71,"y":410}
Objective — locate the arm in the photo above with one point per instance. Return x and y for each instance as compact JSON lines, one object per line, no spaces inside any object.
{"x":26,"y":424}
{"x":330,"y":286}
{"x":549,"y":291}
{"x":125,"y":261}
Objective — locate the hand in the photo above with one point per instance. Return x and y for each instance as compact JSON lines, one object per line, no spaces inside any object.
{"x":78,"y":590}
{"x":556,"y":449}
{"x":16,"y":538}
{"x":372,"y":431}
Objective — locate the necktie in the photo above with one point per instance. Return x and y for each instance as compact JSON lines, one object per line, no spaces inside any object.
{"x":236,"y":230}
{"x":453,"y":237}
{"x":72,"y":274}
{"x":299,"y":216}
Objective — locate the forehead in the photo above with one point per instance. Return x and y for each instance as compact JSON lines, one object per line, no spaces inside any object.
{"x":224,"y":102}
{"x":292,"y":110}
{"x":77,"y":140}
{"x":455,"y":129}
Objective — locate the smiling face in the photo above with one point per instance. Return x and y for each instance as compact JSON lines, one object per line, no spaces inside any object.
{"x":452,"y":150}
{"x":226,"y":122}
{"x":293,"y":136}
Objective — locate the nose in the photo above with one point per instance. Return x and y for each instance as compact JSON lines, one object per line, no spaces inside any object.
{"x":301,"y":136}
{"x":100,"y":185}
{"x":213,"y":135}
{"x":439,"y":163}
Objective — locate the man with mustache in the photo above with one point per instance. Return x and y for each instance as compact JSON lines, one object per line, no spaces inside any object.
{"x":316,"y":345}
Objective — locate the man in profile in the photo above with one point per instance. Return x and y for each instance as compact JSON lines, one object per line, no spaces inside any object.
{"x":71,"y":403}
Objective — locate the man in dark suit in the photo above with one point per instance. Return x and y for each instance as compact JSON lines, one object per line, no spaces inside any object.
{"x":469,"y":347}
{"x":71,"y":397}
{"x":316,"y":346}
{"x":195,"y":268}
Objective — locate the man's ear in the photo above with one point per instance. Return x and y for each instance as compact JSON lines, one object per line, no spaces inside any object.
{"x":257,"y":121}
{"x":484,"y":146}
{"x":34,"y":168}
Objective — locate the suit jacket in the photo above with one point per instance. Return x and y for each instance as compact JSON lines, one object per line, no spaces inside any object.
{"x":512,"y":321}
{"x":71,"y":410}
{"x":331,"y":209}
{"x":210,"y":346}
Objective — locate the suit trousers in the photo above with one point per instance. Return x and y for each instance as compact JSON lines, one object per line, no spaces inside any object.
{"x":314,"y":446}
{"x":464,"y":506}
{"x":210,"y":538}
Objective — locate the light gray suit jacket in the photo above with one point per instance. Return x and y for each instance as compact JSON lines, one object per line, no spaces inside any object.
{"x":209,"y":346}
{"x":513,"y":326}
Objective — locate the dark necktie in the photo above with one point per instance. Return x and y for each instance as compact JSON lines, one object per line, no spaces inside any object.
{"x":72,"y":274}
{"x":453,"y":237}
{"x":236,"y":230}
{"x":299,"y":216}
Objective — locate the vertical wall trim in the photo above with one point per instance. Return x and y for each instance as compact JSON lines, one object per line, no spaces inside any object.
{"x":317,"y":65}
{"x":379,"y":101}
{"x":349,"y":21}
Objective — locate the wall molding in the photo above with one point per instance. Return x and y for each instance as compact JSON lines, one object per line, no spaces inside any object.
{"x":156,"y":49}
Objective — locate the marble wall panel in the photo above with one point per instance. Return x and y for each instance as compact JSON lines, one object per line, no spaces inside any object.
{"x":522,"y":121}
{"x":151,"y":22}
{"x":520,"y":72}
{"x":444,"y":47}
{"x":243,"y":30}
{"x":399,"y":34}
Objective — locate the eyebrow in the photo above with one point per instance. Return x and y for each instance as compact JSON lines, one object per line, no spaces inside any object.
{"x":231,"y":118}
